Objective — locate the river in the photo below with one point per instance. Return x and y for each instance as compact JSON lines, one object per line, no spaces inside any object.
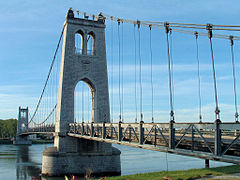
{"x":24,"y":162}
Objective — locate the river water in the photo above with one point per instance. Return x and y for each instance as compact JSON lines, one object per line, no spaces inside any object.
{"x":24,"y":162}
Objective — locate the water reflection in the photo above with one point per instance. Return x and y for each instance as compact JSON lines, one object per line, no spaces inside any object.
{"x":24,"y":162}
{"x":25,"y":168}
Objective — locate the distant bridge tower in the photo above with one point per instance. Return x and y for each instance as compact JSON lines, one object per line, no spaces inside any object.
{"x":86,"y":63}
{"x":21,"y":126}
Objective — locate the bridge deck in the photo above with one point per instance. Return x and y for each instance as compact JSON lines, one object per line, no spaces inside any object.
{"x":198,"y":154}
{"x":214,"y":141}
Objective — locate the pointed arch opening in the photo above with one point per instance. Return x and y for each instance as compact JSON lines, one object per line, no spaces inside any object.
{"x":84,"y":101}
{"x":91,"y":43}
{"x":79,"y":42}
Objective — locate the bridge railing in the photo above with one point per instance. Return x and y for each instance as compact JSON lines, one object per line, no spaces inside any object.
{"x":43,"y":128}
{"x":215,"y":138}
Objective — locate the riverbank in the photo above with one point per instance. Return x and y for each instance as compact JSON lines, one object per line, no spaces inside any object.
{"x":186,"y":174}
{"x":37,"y":141}
{"x":6,"y":141}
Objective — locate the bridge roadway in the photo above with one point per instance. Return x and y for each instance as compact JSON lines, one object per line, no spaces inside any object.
{"x":213,"y":141}
{"x":43,"y":129}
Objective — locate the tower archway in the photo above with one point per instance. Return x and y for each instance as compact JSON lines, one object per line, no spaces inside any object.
{"x":84,"y":101}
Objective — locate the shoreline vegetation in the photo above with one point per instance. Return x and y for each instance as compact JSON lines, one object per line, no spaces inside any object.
{"x":8,"y":129}
{"x":182,"y":175}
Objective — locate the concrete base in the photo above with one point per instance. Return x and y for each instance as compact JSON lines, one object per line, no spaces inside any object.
{"x":21,"y":141}
{"x":82,"y":164}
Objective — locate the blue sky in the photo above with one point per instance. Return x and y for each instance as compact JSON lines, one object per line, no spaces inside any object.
{"x":30,"y":29}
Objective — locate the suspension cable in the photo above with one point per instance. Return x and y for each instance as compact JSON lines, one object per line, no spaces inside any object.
{"x":82,"y":102}
{"x":52,"y":111}
{"x":48,"y":76}
{"x":171,"y":57}
{"x":89,"y":105}
{"x":234,"y":79}
{"x":122,"y":74}
{"x":140,"y":69}
{"x":135,"y":70}
{"x":169,"y":74}
{"x":150,"y":37}
{"x":78,"y":105}
{"x":199,"y":80}
{"x":119,"y":73}
{"x":217,"y":111}
{"x":112,"y":68}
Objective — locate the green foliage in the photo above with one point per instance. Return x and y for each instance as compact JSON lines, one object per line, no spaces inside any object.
{"x":8,"y":128}
{"x":178,"y":175}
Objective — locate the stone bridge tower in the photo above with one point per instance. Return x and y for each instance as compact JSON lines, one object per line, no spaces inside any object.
{"x":21,"y":126}
{"x":84,"y":63}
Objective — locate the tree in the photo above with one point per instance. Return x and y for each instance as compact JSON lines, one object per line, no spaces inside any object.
{"x":8,"y":128}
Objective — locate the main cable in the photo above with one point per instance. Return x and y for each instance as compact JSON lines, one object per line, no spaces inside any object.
{"x":181,"y":26}
{"x":49,"y":73}
{"x":159,"y":23}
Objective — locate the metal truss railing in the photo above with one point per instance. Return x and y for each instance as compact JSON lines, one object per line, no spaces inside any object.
{"x":217,"y":138}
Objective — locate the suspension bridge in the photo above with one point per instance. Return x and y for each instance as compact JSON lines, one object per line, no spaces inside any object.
{"x":89,"y":103}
